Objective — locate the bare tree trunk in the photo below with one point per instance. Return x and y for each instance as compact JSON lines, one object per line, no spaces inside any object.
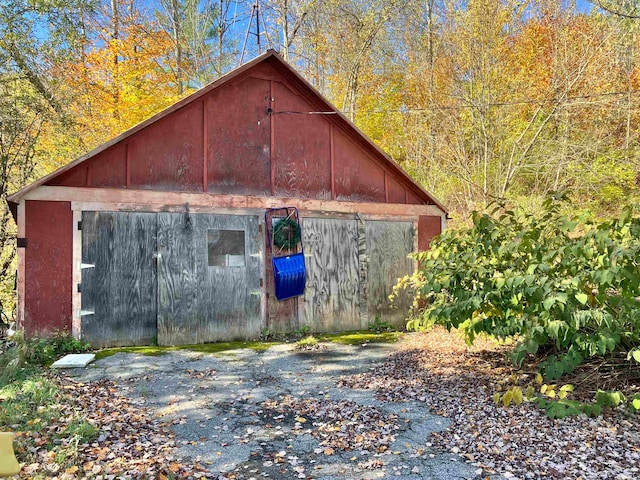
{"x":115,"y":36}
{"x":177,"y":39}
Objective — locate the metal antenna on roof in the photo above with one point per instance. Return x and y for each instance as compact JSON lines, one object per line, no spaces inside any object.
{"x":257,"y":14}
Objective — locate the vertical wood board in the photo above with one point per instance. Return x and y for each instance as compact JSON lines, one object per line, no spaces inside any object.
{"x":429,"y":226}
{"x":178,"y":319}
{"x":121,"y":287}
{"x":331,"y":257}
{"x":167,"y":155}
{"x":239,"y":138}
{"x":388,"y":244}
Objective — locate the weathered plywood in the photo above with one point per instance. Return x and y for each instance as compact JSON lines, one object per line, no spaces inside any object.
{"x":331,"y":254}
{"x":121,"y":287}
{"x":178,"y":319}
{"x":229,"y":297}
{"x":388,"y":244}
{"x":202,"y":303}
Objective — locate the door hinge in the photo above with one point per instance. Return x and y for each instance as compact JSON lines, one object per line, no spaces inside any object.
{"x":79,"y":288}
{"x":260,"y":228}
{"x":80,"y":225}
{"x":261,"y":283}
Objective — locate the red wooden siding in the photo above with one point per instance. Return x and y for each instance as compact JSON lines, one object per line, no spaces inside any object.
{"x":76,"y":177}
{"x":167,"y":155}
{"x":397,"y":193}
{"x":109,"y":169}
{"x":48,"y":264}
{"x":302,"y":147}
{"x":357,"y":176}
{"x":428,"y":227}
{"x":228,"y":142}
{"x":239,"y":138}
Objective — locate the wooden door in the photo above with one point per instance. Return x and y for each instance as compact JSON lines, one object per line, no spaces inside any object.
{"x":388,"y":247}
{"x":331,"y":257}
{"x":208,"y":278}
{"x":118,"y":278}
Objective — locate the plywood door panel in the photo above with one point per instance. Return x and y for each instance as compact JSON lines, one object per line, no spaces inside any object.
{"x":229,"y":297}
{"x":121,"y":286}
{"x":331,"y":257}
{"x":388,"y":244}
{"x":178,"y":320}
{"x":202,"y":303}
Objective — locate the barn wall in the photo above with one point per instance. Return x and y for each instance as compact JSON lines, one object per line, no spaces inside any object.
{"x":303,"y":159}
{"x":428,"y":227}
{"x":239,"y":138}
{"x":48,"y":263}
{"x":258,"y":135}
{"x":168,"y":155}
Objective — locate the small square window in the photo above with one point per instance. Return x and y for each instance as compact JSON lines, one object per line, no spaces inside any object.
{"x":225,"y":248}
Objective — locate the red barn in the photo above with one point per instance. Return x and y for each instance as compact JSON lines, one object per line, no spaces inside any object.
{"x":115,"y":247}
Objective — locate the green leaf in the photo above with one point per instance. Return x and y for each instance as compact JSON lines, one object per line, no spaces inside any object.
{"x":635,"y":403}
{"x":548,"y":303}
{"x":530,"y":392}
{"x":635,"y":354}
{"x":517,"y":395}
{"x":582,"y":298}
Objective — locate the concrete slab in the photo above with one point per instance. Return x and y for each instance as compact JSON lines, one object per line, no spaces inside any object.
{"x":75,"y":360}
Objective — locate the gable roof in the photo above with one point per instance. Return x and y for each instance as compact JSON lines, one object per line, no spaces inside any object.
{"x":276,"y":61}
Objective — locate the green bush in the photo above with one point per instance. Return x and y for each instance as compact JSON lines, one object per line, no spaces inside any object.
{"x":566,"y":287}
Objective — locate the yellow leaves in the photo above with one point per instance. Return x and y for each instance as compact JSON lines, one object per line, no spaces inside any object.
{"x":301,"y":419}
{"x":118,"y":84}
{"x":513,"y":395}
{"x":329,"y":451}
{"x":548,"y":390}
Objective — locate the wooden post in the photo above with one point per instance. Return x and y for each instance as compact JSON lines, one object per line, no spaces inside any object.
{"x":22,"y":228}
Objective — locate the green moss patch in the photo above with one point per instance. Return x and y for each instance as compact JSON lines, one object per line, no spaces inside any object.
{"x":345,"y":338}
{"x":155,"y":350}
{"x":357,"y":338}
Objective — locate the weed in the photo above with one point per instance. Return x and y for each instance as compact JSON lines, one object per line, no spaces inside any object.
{"x":379,"y":325}
{"x":307,"y":343}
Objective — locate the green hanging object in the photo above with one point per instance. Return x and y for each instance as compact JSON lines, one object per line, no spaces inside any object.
{"x":286,"y":233}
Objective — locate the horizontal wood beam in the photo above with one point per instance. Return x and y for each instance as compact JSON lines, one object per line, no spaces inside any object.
{"x":149,"y":200}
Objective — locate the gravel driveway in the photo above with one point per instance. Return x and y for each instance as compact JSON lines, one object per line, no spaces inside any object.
{"x":279,"y":414}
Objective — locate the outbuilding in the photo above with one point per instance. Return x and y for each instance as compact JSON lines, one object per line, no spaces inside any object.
{"x":160,"y":235}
